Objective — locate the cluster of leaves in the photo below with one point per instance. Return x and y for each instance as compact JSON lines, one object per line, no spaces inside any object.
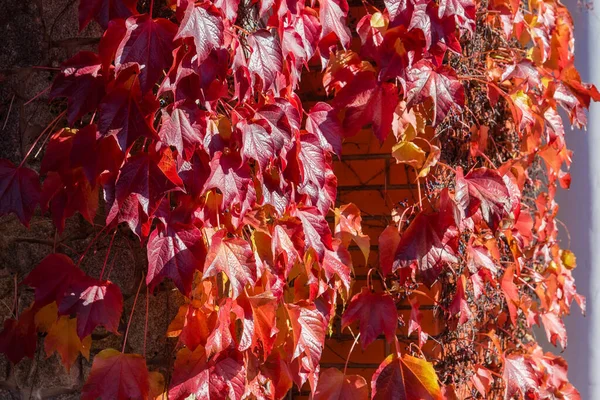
{"x":190,"y":126}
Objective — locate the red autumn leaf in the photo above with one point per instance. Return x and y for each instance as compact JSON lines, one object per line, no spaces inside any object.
{"x":282,"y":119}
{"x":142,"y":181}
{"x":482,"y":380}
{"x":104,"y":10}
{"x":439,"y":32}
{"x":389,"y":240}
{"x":95,"y":303}
{"x":405,"y":378}
{"x":234,"y":257}
{"x":463,"y":9}
{"x":81,"y":82}
{"x":376,"y":314}
{"x":317,"y":234}
{"x":265,"y":61}
{"x":484,"y":189}
{"x":116,"y":376}
{"x":555,"y":328}
{"x":183,"y":128}
{"x":205,"y":26}
{"x":348,"y":227}
{"x":95,"y":154}
{"x":19,"y":191}
{"x":367,"y":101}
{"x":308,"y":328}
{"x":322,"y":122}
{"x":221,"y":336}
{"x":221,"y":377}
{"x":231,"y":177}
{"x":126,"y":115}
{"x":18,"y":339}
{"x":338,"y":263}
{"x":334,"y":385}
{"x":333,"y":15}
{"x":459,"y":303}
{"x":175,"y":251}
{"x":263,"y":309}
{"x":147,"y":43}
{"x":440,"y":84}
{"x":318,"y":180}
{"x":257,"y":144}
{"x":511,"y":293}
{"x":428,"y":243}
{"x":51,"y":278}
{"x":414,"y":324}
{"x":63,"y":339}
{"x":519,"y":376}
{"x":479,"y":256}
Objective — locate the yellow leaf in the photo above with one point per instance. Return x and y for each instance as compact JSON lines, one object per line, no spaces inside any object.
{"x":409,"y":153}
{"x":46,"y":317}
{"x":157,"y":386}
{"x":62,"y":338}
{"x":568,"y":259}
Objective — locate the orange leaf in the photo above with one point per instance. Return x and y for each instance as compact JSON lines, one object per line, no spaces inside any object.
{"x":334,"y":385}
{"x":62,"y":338}
{"x":406,"y":378}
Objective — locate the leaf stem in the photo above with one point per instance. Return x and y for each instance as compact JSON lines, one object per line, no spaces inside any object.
{"x":112,"y":239}
{"x":350,"y":352}
{"x":151,"y":7}
{"x":131,"y":315}
{"x":89,"y":246}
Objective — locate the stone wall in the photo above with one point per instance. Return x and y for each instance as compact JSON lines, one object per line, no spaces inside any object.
{"x":37,"y":35}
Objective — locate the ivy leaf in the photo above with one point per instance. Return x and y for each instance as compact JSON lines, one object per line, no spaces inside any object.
{"x":389,"y":240}
{"x":263,"y":309}
{"x":183,"y":128}
{"x":19,"y":191}
{"x":18,"y":339}
{"x":142,"y":181}
{"x":405,"y":378}
{"x":52,"y":277}
{"x":440,"y":84}
{"x":376,"y":314}
{"x":95,"y":303}
{"x":317,"y":234}
{"x":409,"y":153}
{"x":223,"y":376}
{"x":367,"y":101}
{"x":485,"y":189}
{"x":555,"y":328}
{"x":81,"y":82}
{"x":175,"y":251}
{"x":234,"y":257}
{"x":334,"y":385}
{"x":348,"y":227}
{"x":428,"y":242}
{"x":257,"y":144}
{"x":62,"y":338}
{"x":147,"y":43}
{"x":117,"y":376}
{"x":104,"y":10}
{"x":333,"y":15}
{"x":231,"y":177}
{"x":322,"y":122}
{"x":205,"y":26}
{"x":126,"y":115}
{"x":266,"y":61}
{"x":318,"y":180}
{"x":308,"y":328}
{"x":519,"y":376}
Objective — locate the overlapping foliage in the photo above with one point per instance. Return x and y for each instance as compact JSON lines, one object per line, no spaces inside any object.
{"x":188,"y":123}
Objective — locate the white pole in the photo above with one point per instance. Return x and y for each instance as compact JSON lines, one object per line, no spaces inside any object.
{"x":580,"y":211}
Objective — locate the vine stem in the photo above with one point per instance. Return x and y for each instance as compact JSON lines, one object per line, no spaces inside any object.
{"x":89,"y":246}
{"x":350,"y":352}
{"x":112,"y":239}
{"x":37,"y":95}
{"x":49,"y":127}
{"x":131,"y":315}
{"x":146,"y":321}
{"x":151,"y":7}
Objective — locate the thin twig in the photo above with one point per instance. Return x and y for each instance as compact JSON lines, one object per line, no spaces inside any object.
{"x":131,"y":314}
